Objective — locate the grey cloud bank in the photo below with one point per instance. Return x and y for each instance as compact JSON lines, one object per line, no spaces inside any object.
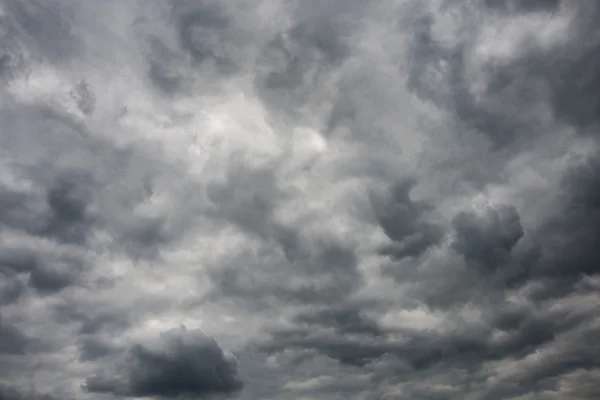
{"x":299,"y":200}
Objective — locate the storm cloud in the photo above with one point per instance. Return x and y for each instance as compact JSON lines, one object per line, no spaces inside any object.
{"x":287,"y":199}
{"x":183,"y":362}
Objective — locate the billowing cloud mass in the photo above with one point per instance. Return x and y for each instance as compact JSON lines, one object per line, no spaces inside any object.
{"x":183,"y":362}
{"x":337,"y":199}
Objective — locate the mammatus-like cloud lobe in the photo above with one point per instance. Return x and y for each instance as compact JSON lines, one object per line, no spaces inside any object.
{"x":299,"y":200}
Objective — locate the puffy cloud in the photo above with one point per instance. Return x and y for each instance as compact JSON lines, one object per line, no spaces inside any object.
{"x":487,"y":239}
{"x":182,"y":362}
{"x":392,"y":200}
{"x":13,"y":341}
{"x":404,"y":221}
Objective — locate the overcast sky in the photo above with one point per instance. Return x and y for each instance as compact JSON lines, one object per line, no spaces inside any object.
{"x":299,"y":199}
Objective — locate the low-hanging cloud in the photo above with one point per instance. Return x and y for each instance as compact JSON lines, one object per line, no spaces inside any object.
{"x":393,"y":200}
{"x":182,"y":362}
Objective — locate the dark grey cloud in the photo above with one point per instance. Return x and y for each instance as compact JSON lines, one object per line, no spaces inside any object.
{"x":302,"y":48}
{"x":182,"y":363}
{"x":487,"y":240}
{"x":48,"y":218}
{"x":519,"y":334}
{"x":419,"y":352}
{"x":439,"y":73}
{"x":162,"y":69}
{"x":324,"y":268}
{"x":579,"y":217}
{"x":13,"y":393}
{"x":11,"y":287}
{"x":68,"y":199}
{"x":47,"y":28}
{"x":568,"y":249}
{"x":204,"y":39}
{"x":405,"y":222}
{"x":201,"y":31}
{"x":13,"y":340}
{"x":297,"y":61}
{"x":382,"y":201}
{"x":11,"y":58}
{"x":561,"y":78}
{"x":48,"y":270}
{"x":500,"y":257}
{"x":54,"y":213}
{"x":346,"y":319}
{"x":93,"y":348}
{"x":248,"y":198}
{"x":84,"y":96}
{"x":523,"y":6}
{"x":94,"y":320}
{"x":324,"y":273}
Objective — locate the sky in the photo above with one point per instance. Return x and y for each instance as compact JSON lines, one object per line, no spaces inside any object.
{"x":295,"y":200}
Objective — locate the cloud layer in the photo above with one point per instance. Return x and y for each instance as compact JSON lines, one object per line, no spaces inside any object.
{"x":297,"y":200}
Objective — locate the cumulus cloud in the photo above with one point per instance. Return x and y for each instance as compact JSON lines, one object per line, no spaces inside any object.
{"x":392,"y":200}
{"x":182,"y":362}
{"x":488,"y":239}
